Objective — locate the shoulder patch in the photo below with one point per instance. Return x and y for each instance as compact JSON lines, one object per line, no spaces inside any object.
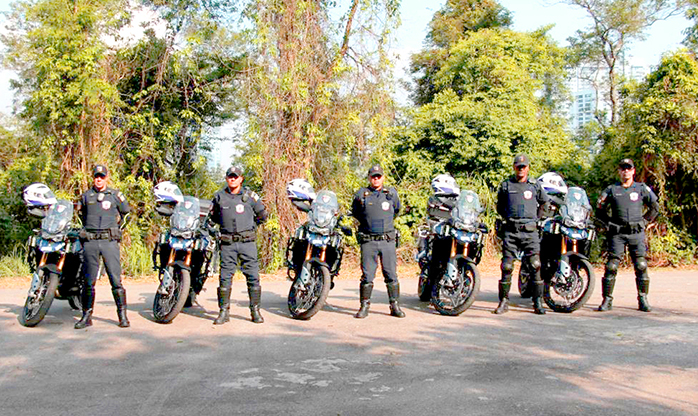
{"x":253,"y":195}
{"x":121,"y":196}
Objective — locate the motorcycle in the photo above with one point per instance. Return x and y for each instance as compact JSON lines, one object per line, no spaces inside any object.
{"x":54,"y":254}
{"x":183,"y":256}
{"x":454,"y":251}
{"x":314,"y":256}
{"x":565,"y":244}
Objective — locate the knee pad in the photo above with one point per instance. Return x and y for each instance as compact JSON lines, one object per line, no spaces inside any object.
{"x":507,"y":267}
{"x":612,"y":266}
{"x":640,"y":264}
{"x":534,"y":262}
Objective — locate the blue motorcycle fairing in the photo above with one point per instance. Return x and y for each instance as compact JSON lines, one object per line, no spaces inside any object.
{"x":574,"y":233}
{"x":180,"y":243}
{"x":46,"y":246}
{"x":318,"y":240}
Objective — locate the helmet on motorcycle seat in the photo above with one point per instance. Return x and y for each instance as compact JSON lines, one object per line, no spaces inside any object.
{"x":300,"y":189}
{"x":444,"y":184}
{"x":167,"y":192}
{"x":553,"y":183}
{"x":38,"y":194}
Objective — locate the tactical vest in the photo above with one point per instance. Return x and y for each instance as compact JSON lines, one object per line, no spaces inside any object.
{"x":236,"y":212}
{"x":626,"y":203}
{"x":100,"y":210}
{"x":378,"y":212}
{"x":521,"y":201}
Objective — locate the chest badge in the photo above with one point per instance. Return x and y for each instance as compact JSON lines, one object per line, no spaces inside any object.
{"x":528,"y":194}
{"x":106,"y":204}
{"x":634,"y":196}
{"x":239,"y":208}
{"x":385,"y":205}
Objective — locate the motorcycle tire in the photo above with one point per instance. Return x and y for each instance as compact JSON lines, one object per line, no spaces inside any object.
{"x":75,"y":302}
{"x":166,"y":308}
{"x":525,"y":288}
{"x":580,"y":285}
{"x":304,"y":304}
{"x":424,"y":287}
{"x":453,"y":301}
{"x":35,"y":309}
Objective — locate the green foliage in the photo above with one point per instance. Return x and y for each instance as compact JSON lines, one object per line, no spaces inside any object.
{"x":14,"y":264}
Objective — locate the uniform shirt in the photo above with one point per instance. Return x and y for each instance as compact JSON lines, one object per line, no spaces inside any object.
{"x":236,"y":213}
{"x":521,"y":200}
{"x":376,"y":210}
{"x":627,"y":204}
{"x":101,"y":211}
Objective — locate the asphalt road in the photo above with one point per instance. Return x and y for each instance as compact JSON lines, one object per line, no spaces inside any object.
{"x":622,"y":362}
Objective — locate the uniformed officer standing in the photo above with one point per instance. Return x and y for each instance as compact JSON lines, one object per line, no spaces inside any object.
{"x":102,"y":210}
{"x":375,"y":207}
{"x":238,"y":211}
{"x":626,"y":226}
{"x":520,"y":202}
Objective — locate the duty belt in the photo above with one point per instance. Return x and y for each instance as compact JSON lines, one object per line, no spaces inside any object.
{"x":365,"y":238}
{"x":97,"y":235}
{"x":631,"y":228}
{"x":521,"y":226}
{"x":242,"y":237}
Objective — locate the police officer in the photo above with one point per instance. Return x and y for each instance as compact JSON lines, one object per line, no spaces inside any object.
{"x":103,"y":210}
{"x":626,"y":227}
{"x":520,"y":202}
{"x":375,"y":207}
{"x":238,"y":211}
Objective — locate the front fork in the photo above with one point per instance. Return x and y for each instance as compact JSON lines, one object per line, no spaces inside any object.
{"x":36,"y":280}
{"x":167,"y":283}
{"x":304,"y":277}
{"x":452,"y":265}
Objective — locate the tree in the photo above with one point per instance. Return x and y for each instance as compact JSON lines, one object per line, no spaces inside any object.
{"x":615,"y":23}
{"x":497,"y":98}
{"x":449,"y":25}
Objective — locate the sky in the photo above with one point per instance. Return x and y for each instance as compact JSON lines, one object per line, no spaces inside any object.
{"x":528,"y":15}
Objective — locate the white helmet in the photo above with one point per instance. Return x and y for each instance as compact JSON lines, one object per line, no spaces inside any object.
{"x":38,"y":194}
{"x":167,"y":192}
{"x":553,"y":183}
{"x":444,"y":184}
{"x":300,"y":189}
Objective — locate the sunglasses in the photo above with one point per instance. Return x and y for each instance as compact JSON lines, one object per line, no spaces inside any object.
{"x":376,"y":176}
{"x":233,"y":176}
{"x":626,"y":168}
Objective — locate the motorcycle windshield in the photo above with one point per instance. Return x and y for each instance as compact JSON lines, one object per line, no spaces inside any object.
{"x":186,"y":215}
{"x":576,"y":207}
{"x":58,"y":218}
{"x":324,"y":210}
{"x":467,"y":209}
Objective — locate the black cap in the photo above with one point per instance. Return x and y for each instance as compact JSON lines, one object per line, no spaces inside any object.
{"x":375,"y":171}
{"x":99,"y":170}
{"x":521,"y":160}
{"x":626,"y":163}
{"x":233,"y":170}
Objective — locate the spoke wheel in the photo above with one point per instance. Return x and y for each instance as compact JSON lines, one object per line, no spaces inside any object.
{"x":167,"y":307}
{"x":571,"y":293}
{"x":304,"y":301}
{"x":36,"y":307}
{"x":453,"y":299}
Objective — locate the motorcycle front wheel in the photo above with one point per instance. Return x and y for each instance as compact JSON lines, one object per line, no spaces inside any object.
{"x":167,"y":307}
{"x":454,"y":298}
{"x":36,"y":307}
{"x":570,"y":293}
{"x":305,"y":300}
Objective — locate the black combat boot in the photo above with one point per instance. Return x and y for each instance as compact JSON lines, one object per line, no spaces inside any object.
{"x":88,"y":302}
{"x":255,"y":293}
{"x":538,"y":289}
{"x":503,"y":306}
{"x":607,"y":292}
{"x":643,"y":288}
{"x":365,"y":291}
{"x":223,"y":305}
{"x":120,"y":300}
{"x":394,"y":299}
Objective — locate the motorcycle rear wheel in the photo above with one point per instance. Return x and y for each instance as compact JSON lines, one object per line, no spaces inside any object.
{"x":572,"y":294}
{"x":167,"y":307}
{"x":456,"y":299}
{"x":525,"y":286}
{"x":36,"y":308}
{"x":424,"y":286}
{"x":75,"y":302}
{"x":304,"y":303}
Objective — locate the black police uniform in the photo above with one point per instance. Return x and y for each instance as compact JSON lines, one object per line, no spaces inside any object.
{"x":238,"y":216}
{"x":101,"y":213}
{"x":520,"y":205}
{"x":626,"y":226}
{"x":376,"y":210}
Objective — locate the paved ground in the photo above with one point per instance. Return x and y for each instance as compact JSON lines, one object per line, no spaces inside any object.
{"x":619,"y":363}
